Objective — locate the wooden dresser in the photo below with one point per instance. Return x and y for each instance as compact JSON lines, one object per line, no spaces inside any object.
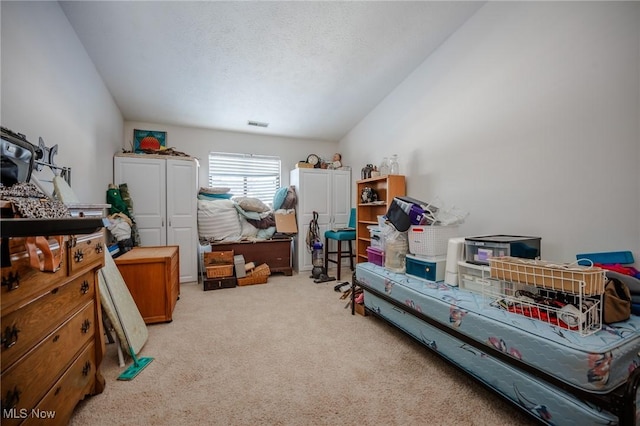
{"x":52,"y":334}
{"x":152,"y":275}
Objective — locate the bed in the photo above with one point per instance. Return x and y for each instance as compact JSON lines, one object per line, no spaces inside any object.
{"x":247,"y":226}
{"x":555,"y":375}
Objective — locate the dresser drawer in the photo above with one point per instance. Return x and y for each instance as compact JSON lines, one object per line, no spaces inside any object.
{"x":23,"y":328}
{"x":76,"y":382}
{"x":83,"y":250}
{"x":21,"y":282}
{"x":25,"y":382}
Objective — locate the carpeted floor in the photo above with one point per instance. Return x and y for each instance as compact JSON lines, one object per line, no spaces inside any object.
{"x":286,"y":353}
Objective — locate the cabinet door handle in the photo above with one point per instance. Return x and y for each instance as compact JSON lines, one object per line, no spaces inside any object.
{"x":12,"y":398}
{"x":86,"y":369}
{"x":86,"y":325}
{"x":10,"y":336}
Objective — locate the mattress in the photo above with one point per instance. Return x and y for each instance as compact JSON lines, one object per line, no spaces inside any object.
{"x":597,"y":363}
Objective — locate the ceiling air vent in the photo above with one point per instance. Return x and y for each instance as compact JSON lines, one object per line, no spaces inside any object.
{"x":257,"y":124}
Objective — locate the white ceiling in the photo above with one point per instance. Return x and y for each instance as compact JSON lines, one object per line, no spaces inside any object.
{"x":309,"y":69}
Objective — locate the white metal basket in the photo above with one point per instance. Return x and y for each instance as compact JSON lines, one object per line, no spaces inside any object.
{"x":568,"y":296}
{"x":578,"y":312}
{"x":430,"y":240}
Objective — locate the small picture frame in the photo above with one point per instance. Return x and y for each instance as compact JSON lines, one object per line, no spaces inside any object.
{"x":145,"y":141}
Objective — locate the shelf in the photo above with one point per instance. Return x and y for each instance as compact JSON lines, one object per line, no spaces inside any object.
{"x":387,"y":188}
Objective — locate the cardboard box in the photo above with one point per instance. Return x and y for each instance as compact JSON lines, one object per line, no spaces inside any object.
{"x":286,"y":223}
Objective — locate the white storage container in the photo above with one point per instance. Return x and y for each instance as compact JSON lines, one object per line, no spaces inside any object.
{"x":477,"y":278}
{"x":377,"y":238}
{"x":430,"y":240}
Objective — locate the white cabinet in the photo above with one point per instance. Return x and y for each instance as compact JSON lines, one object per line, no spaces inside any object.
{"x":164,"y":193}
{"x":327,"y":192}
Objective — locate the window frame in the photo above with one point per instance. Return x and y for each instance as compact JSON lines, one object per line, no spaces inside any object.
{"x":260,"y":178}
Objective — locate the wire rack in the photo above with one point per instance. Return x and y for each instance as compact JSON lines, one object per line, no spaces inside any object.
{"x":564,"y":296}
{"x":573,"y":312}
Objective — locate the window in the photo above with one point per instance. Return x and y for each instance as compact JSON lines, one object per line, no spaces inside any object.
{"x":247,"y":175}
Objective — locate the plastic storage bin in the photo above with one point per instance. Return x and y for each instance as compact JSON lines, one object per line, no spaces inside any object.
{"x":377,"y":239}
{"x":430,"y":269}
{"x":480,"y":249}
{"x":476,"y":278}
{"x":430,"y":240}
{"x":375,"y":255}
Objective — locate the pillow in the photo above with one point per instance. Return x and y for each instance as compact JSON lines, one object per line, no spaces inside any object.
{"x":266,"y":234}
{"x":248,"y":215}
{"x":214,"y":190}
{"x":290,"y":200}
{"x":206,"y":196}
{"x":279,"y":196}
{"x":251,"y":204}
{"x":248,"y":231}
{"x":218,"y":220}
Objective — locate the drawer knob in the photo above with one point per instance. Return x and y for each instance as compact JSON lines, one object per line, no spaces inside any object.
{"x":11,"y":281}
{"x":78,"y":256}
{"x":99,"y":248}
{"x":86,"y":369}
{"x":10,"y":336}
{"x":86,"y":325}
{"x":84,"y":288}
{"x":11,"y":399}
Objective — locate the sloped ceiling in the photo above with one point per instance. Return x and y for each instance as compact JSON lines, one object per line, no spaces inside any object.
{"x":308,"y":69}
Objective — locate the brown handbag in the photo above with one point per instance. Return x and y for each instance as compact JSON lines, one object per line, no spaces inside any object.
{"x":616,"y":302}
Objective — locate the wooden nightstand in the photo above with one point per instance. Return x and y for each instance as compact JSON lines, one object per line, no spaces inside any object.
{"x":153,"y":277}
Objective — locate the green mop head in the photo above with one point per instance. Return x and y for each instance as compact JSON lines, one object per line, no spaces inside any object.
{"x":138,"y":365}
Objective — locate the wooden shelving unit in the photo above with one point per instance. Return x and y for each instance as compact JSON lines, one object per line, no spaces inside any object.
{"x":387,"y":187}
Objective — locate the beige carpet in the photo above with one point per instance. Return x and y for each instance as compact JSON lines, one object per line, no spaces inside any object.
{"x":286,"y":353}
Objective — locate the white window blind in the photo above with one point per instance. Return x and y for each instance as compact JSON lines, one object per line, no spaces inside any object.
{"x":247,"y":175}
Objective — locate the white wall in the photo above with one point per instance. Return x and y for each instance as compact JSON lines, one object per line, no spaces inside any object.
{"x":51,"y":89}
{"x":527,"y":117}
{"x":199,"y":142}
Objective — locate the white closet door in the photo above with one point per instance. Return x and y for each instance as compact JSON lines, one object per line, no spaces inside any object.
{"x":314,"y":195}
{"x":327,"y":192}
{"x":145,"y":179}
{"x":182,"y":229}
{"x":341,"y":197}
